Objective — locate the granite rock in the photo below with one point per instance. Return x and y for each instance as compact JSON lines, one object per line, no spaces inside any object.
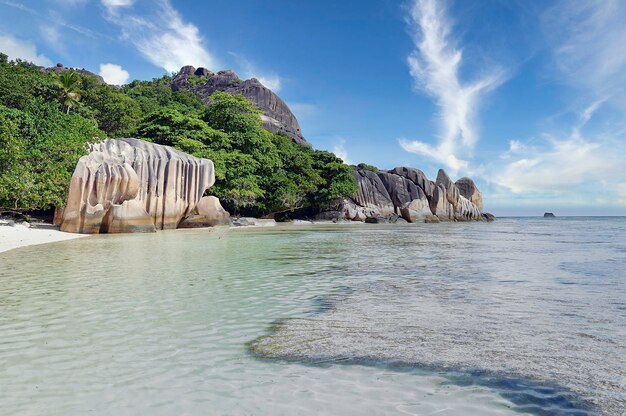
{"x":207,"y":213}
{"x":469,"y":190}
{"x":130,"y":185}
{"x":277,"y":117}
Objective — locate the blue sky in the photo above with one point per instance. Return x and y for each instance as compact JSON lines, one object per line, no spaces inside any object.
{"x":526,"y":97}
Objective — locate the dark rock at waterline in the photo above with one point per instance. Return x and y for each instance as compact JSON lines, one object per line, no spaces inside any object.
{"x":488,"y":217}
{"x":277,"y":117}
{"x":549,"y":215}
{"x":375,"y":220}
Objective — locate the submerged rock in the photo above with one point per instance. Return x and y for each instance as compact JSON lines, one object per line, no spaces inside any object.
{"x":130,"y":185}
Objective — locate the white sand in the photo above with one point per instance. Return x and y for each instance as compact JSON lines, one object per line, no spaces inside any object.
{"x":22,"y":236}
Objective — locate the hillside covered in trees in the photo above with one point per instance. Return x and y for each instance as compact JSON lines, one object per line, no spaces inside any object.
{"x":47,"y":120}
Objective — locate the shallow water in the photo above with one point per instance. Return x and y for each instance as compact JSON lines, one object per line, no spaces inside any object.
{"x":515,"y":316}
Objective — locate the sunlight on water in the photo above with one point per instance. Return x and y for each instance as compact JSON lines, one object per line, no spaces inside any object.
{"x":452,"y":319}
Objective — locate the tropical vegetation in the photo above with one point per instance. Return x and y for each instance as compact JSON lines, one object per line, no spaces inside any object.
{"x":48,"y":119}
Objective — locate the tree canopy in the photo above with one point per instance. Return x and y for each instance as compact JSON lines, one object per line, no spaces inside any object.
{"x":47,"y":121}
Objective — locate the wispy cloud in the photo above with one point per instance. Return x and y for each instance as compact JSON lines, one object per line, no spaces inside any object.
{"x":576,"y":164}
{"x":162,"y":36}
{"x":22,"y":49}
{"x":248,"y":70}
{"x":114,"y":74}
{"x":435,"y":65}
{"x":587,"y":41}
{"x":341,"y":152}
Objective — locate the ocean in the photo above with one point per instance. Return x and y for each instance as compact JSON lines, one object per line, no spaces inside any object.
{"x":519,"y":316}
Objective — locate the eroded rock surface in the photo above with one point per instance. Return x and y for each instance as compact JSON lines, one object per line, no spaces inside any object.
{"x":408,"y":193}
{"x":277,"y":117}
{"x":130,"y":185}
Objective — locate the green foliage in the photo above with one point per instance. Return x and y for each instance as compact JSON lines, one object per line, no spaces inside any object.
{"x":338,"y":178}
{"x":168,"y":127}
{"x":116,"y":113}
{"x":157,"y":94}
{"x":365,"y":166}
{"x":232,"y":113}
{"x":195,"y":80}
{"x":70,"y":93}
{"x":44,"y":131}
{"x":40,"y":150}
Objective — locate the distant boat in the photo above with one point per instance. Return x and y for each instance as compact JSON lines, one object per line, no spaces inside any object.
{"x":548,"y":215}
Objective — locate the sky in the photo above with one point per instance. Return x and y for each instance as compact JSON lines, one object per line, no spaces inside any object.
{"x":526,"y":97}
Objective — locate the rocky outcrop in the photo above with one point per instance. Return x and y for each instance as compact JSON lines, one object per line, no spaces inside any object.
{"x":469,"y":190}
{"x":130,"y":185}
{"x":408,"y":193}
{"x":207,"y":213}
{"x":277,"y":117}
{"x":61,"y":68}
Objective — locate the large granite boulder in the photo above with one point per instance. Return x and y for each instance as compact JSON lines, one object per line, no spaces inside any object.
{"x":416,"y":210}
{"x":372,"y":195}
{"x":469,"y":190}
{"x":401,"y":190}
{"x":130,"y":185}
{"x":409,"y":193}
{"x":277,"y":117}
{"x":207,"y":213}
{"x":417,"y":177}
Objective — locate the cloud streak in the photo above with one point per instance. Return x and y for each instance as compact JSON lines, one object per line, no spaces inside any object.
{"x":434,"y":65}
{"x":162,"y":36}
{"x":586,"y":42}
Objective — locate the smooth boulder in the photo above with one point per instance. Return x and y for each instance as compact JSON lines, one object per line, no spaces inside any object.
{"x":130,"y":185}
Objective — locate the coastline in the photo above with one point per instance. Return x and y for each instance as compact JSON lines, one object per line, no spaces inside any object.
{"x":20,"y":235}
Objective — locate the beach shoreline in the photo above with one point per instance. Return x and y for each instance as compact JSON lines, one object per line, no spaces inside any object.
{"x":21,"y":235}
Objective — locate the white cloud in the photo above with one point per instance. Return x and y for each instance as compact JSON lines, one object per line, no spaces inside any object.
{"x":555,"y":167}
{"x":22,"y":49}
{"x":163,"y":37}
{"x":114,"y":74}
{"x":575,"y":165}
{"x":435,"y":65}
{"x":113,"y":4}
{"x":340,"y":151}
{"x":248,"y":70}
{"x":587,"y":41}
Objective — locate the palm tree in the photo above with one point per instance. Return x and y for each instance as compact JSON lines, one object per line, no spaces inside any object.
{"x":69,"y":92}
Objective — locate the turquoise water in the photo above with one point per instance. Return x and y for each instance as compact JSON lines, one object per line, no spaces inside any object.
{"x":521,"y":315}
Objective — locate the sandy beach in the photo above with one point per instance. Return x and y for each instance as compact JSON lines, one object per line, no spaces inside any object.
{"x":20,"y":235}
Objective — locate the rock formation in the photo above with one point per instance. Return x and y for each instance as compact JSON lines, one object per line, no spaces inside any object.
{"x":408,"y":193}
{"x":277,"y":117}
{"x":130,"y":185}
{"x":207,"y":213}
{"x":61,"y":68}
